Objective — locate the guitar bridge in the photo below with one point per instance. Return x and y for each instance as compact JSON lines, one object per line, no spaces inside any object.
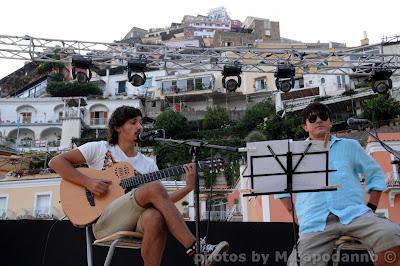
{"x":90,"y":197}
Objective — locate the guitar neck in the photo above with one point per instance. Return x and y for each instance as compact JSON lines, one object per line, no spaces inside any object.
{"x":135,"y":181}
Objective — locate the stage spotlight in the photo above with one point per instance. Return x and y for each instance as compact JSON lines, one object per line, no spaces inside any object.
{"x":380,"y":78}
{"x":284,"y":74}
{"x":137,"y":66}
{"x":231,"y":71}
{"x":81,"y":68}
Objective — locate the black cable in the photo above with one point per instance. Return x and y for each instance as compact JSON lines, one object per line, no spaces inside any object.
{"x":47,"y":240}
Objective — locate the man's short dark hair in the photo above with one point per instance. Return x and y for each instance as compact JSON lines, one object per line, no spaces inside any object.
{"x":315,"y":107}
{"x":118,"y":119}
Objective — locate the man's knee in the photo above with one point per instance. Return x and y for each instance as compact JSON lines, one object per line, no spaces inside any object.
{"x":156,"y":189}
{"x":153,"y":219}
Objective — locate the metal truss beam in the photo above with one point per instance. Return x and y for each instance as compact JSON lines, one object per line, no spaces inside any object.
{"x":306,"y":61}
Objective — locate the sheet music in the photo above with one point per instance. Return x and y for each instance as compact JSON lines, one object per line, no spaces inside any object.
{"x":277,"y":182}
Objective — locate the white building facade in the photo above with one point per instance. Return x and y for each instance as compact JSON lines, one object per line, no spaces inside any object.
{"x":50,"y":123}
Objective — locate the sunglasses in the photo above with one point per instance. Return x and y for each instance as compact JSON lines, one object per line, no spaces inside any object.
{"x":313,"y":117}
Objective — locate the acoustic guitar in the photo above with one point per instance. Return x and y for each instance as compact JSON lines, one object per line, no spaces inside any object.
{"x":82,"y":207}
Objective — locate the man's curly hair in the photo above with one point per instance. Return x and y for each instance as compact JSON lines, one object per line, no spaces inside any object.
{"x":118,"y":119}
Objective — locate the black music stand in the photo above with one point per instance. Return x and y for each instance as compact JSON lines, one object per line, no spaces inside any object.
{"x":290,"y":160}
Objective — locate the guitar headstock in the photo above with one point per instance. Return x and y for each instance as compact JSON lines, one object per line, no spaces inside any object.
{"x":216,"y":163}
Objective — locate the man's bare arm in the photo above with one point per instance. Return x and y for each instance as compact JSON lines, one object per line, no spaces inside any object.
{"x":63,"y":165}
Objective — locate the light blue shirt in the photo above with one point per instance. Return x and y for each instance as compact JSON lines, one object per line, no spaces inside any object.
{"x":347,"y":202}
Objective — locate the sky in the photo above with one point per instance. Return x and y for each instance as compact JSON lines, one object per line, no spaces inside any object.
{"x":106,"y":21}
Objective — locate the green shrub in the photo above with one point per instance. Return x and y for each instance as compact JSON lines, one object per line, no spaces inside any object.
{"x":71,"y":89}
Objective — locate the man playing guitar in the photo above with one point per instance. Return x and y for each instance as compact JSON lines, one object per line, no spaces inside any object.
{"x":148,"y":209}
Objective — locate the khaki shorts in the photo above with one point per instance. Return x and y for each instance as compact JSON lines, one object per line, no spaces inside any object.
{"x":377,"y":233}
{"x":123,"y":214}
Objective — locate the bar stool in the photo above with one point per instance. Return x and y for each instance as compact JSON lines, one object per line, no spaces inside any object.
{"x":121,"y":239}
{"x":350,"y":243}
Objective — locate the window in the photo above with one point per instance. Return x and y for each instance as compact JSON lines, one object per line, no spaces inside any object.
{"x":60,"y":115}
{"x":151,"y":94}
{"x":3,"y":206}
{"x":173,"y":86}
{"x":301,"y":83}
{"x":322,"y":81}
{"x":227,"y":44}
{"x":190,"y":85}
{"x":166,"y":86}
{"x":26,"y":117}
{"x":148,"y":83}
{"x":182,"y":85}
{"x":98,"y":118}
{"x":198,"y":84}
{"x":396,"y":168}
{"x":206,"y":83}
{"x":42,"y":205}
{"x":260,"y":85}
{"x":121,"y":87}
{"x":340,"y":81}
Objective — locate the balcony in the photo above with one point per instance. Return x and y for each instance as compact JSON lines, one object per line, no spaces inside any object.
{"x":185,"y":213}
{"x":393,"y":188}
{"x":25,"y":214}
{"x":235,"y":213}
{"x":41,"y":143}
{"x":393,"y":184}
{"x":30,"y":122}
{"x":40,"y":214}
{"x":3,"y":214}
{"x":215,"y":215}
{"x":98,"y":121}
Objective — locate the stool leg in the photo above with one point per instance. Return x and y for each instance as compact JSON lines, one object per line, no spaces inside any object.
{"x":336,"y":259}
{"x":371,"y":254}
{"x":89,"y":254}
{"x":111,"y":252}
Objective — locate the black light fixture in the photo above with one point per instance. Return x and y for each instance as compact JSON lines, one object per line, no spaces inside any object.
{"x":81,"y":68}
{"x":231,"y":71}
{"x":380,"y":79}
{"x":137,"y":66}
{"x":284,"y":74}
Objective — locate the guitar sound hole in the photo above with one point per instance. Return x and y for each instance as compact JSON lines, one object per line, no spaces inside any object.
{"x":121,"y":172}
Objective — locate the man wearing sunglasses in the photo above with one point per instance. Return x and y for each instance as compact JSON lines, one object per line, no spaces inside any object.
{"x":325,"y":216}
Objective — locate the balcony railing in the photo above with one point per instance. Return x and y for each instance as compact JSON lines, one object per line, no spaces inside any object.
{"x":38,"y":143}
{"x":3,"y":214}
{"x":25,"y":214}
{"x":185,"y":213}
{"x":98,"y":121}
{"x":45,"y":213}
{"x":30,"y":122}
{"x":393,"y":184}
{"x":215,"y":215}
{"x":42,"y":214}
{"x":235,"y":210}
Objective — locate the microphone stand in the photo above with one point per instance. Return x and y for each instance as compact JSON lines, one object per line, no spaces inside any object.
{"x":395,"y":153}
{"x":194,"y":151}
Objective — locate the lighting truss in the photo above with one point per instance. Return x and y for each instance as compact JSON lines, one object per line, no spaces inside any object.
{"x":306,"y":61}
